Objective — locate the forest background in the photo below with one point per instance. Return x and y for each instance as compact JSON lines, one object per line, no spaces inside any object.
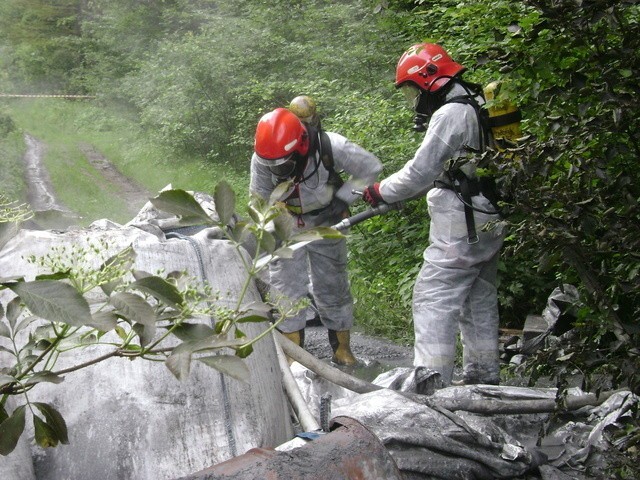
{"x":180,"y":84}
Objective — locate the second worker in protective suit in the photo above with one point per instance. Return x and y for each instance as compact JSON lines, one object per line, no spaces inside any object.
{"x":456,"y":287}
{"x":287,"y":149}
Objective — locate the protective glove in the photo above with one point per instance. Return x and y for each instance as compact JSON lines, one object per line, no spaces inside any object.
{"x":372,"y":195}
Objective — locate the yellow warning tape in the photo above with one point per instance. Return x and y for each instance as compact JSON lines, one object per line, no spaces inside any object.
{"x":11,"y":95}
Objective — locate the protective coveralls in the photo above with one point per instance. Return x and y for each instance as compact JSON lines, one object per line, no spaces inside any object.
{"x":456,"y":287}
{"x":313,"y":202}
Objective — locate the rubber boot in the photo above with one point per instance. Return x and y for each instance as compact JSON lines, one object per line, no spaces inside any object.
{"x":296,"y":337}
{"x":340,"y":344}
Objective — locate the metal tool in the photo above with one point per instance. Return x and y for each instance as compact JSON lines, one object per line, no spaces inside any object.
{"x":345,"y":224}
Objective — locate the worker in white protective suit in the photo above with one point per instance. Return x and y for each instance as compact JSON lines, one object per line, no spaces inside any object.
{"x":287,"y":149}
{"x":456,"y":288}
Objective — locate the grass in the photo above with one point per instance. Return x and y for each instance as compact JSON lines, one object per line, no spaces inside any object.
{"x":63,"y":125}
{"x":12,"y":148}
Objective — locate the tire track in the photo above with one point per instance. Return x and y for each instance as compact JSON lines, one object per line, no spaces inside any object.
{"x":40,"y":193}
{"x":134,"y":195}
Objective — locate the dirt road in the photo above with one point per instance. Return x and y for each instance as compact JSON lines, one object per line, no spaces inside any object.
{"x":40,"y":193}
{"x":41,"y":196}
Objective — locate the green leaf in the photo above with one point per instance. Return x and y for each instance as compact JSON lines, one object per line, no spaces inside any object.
{"x":134,"y":308}
{"x":103,"y":321}
{"x":192,"y":331}
{"x":252,"y":318}
{"x":182,"y":204}
{"x":225,"y":201}
{"x":14,"y":309}
{"x":255,"y":312}
{"x":4,"y":330}
{"x":54,"y":300}
{"x":229,"y":365}
{"x":284,"y":252}
{"x":316,"y":233}
{"x":190,"y":221}
{"x":279,"y":192}
{"x":160,"y":289}
{"x":124,"y":261}
{"x":240,"y":232}
{"x":7,"y":230}
{"x":48,"y":377}
{"x":310,"y":235}
{"x":254,"y":214}
{"x":284,"y":226}
{"x":44,"y":434}
{"x":10,"y":431}
{"x":54,"y":276}
{"x":55,"y":421}
{"x":3,"y":414}
{"x":267,"y":243}
{"x":245,"y":351}
{"x":261,"y":307}
{"x":145,"y":333}
{"x":25,"y":323}
{"x":179,"y":363}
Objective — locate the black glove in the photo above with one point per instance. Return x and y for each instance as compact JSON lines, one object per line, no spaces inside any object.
{"x":372,"y":195}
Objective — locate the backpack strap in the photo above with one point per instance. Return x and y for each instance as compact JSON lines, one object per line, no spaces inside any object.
{"x":466,"y":189}
{"x":326,"y":156}
{"x":481,"y":113}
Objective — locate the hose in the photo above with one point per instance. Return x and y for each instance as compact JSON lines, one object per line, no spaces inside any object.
{"x":324,"y":370}
{"x":300,"y":407}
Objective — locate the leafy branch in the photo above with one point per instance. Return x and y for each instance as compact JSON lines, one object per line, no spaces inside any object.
{"x":138,"y":311}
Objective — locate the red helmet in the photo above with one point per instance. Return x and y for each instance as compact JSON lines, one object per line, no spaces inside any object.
{"x":279,"y":135}
{"x":428,"y":66}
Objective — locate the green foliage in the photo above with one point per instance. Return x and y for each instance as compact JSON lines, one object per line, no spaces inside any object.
{"x":46,"y":39}
{"x":6,"y":125}
{"x":11,"y":151}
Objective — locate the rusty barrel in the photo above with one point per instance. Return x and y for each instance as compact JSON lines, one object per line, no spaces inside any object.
{"x":349,"y":452}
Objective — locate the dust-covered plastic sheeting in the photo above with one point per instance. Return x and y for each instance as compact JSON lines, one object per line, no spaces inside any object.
{"x":313,"y":387}
{"x":428,"y":443}
{"x":557,"y":315}
{"x":133,"y":419}
{"x":435,"y":443}
{"x":573,"y":441}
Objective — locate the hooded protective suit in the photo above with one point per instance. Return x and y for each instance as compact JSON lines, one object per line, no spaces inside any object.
{"x":316,"y":202}
{"x":456,"y":287}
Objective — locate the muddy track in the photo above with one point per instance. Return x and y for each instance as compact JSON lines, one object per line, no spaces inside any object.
{"x":41,"y":195}
{"x":134,"y":195}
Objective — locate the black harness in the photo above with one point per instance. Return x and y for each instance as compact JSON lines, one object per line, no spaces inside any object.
{"x":465,"y":187}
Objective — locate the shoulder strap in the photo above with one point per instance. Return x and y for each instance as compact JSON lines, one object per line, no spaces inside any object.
{"x":326,"y":156}
{"x":482,"y":114}
{"x":326,"y":153}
